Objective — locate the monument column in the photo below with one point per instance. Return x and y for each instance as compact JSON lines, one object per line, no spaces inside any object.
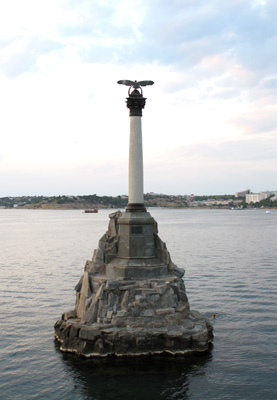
{"x":131,"y":299}
{"x":135,"y":103}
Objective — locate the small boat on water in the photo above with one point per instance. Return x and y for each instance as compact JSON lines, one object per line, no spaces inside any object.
{"x":94,"y":210}
{"x":267,"y":212}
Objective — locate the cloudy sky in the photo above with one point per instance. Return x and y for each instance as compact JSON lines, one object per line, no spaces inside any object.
{"x":210,"y":122}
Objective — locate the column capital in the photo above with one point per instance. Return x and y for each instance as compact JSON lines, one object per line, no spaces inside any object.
{"x":135,"y":102}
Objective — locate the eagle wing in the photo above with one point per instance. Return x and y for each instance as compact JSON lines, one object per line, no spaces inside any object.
{"x":126,"y":82}
{"x":144,"y":83}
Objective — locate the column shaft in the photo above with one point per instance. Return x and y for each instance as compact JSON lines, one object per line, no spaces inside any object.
{"x":135,"y":162}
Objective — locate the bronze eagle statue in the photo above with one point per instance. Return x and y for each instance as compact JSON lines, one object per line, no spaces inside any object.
{"x":135,"y":84}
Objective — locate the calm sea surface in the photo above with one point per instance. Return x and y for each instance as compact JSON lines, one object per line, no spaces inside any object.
{"x":230,"y":258}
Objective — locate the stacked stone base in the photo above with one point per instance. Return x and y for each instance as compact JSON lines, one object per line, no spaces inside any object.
{"x":137,"y":318}
{"x":132,"y":306}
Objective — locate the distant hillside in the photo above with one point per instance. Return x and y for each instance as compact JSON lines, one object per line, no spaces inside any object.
{"x":64,"y":202}
{"x":94,"y":201}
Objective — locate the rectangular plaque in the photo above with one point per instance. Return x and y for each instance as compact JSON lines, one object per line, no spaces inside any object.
{"x":136,"y":230}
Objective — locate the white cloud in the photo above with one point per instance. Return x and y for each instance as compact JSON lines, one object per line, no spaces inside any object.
{"x":214,"y":67}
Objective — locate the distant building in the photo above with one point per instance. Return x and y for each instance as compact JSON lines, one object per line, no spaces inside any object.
{"x":256,"y":197}
{"x":243,"y":193}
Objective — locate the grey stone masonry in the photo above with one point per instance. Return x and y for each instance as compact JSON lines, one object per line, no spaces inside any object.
{"x":131,"y":299}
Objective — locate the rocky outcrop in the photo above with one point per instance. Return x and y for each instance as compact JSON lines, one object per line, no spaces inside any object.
{"x":164,"y":330}
{"x":131,"y":316}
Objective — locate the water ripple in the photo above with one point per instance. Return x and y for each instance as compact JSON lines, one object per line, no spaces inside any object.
{"x":230,"y":261}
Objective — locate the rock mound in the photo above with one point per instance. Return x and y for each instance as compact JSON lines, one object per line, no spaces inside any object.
{"x":134,"y":305}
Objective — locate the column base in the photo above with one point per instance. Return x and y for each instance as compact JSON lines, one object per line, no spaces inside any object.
{"x":136,"y":207}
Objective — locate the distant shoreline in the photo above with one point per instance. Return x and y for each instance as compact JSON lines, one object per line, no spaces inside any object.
{"x":120,"y":202}
{"x":70,"y":208}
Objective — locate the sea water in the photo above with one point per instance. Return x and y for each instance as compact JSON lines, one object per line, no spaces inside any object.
{"x":230,"y":258}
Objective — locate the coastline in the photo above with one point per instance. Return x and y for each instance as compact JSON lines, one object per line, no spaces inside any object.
{"x":82,"y":207}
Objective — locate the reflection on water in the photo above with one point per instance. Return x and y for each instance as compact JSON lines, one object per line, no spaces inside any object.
{"x":138,"y":378}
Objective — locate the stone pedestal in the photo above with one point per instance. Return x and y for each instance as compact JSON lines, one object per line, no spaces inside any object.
{"x":131,"y":299}
{"x":136,"y":256}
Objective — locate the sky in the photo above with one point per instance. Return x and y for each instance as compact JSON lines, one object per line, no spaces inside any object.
{"x":210,"y":121}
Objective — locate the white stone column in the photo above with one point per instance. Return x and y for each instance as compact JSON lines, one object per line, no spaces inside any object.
{"x":135,"y":102}
{"x":135,"y":162}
